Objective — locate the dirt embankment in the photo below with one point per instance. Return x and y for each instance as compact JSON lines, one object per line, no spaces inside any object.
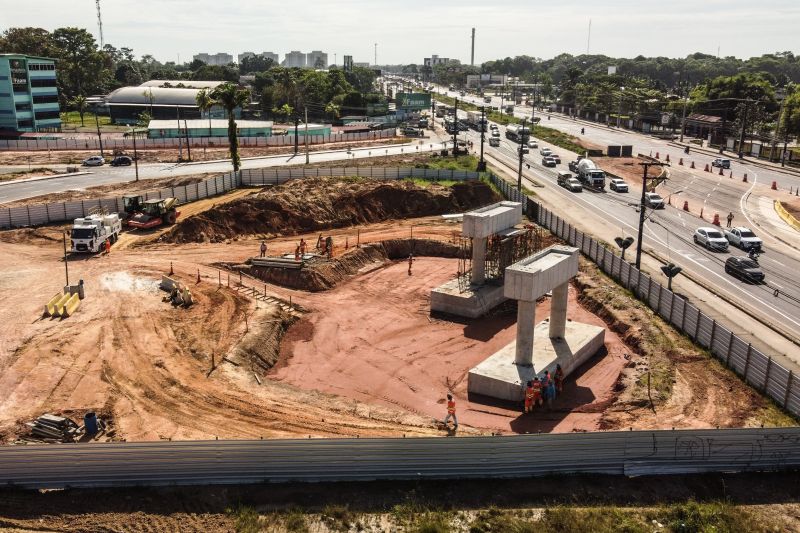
{"x":322,"y":203}
{"x":322,"y":274}
{"x":111,"y":191}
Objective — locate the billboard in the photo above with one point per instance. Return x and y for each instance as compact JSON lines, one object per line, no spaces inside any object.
{"x":413,"y":101}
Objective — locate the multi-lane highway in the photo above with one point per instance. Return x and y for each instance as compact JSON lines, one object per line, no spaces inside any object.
{"x":668,"y":233}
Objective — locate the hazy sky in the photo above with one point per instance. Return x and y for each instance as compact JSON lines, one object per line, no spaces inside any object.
{"x":408,"y":30}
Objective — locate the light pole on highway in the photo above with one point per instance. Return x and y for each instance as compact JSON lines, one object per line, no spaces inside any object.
{"x":521,"y":144}
{"x":619,"y":113}
{"x":646,"y":166}
{"x":482,"y":163}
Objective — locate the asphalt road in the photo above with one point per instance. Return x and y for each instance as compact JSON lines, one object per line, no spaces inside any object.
{"x":17,"y":190}
{"x":668,"y":232}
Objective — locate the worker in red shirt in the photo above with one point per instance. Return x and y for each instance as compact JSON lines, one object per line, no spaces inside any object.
{"x":107,"y":246}
{"x":451,"y":412}
{"x":530,"y":395}
{"x":537,"y":391}
{"x":559,"y":379}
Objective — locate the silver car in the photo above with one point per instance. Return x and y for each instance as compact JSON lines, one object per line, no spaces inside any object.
{"x":711,"y":238}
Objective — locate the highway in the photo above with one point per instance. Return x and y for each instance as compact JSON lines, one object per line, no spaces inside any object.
{"x":668,"y":232}
{"x":20,"y":189}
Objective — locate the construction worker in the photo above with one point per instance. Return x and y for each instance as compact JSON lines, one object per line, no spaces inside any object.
{"x":551,"y":391}
{"x":107,"y":246}
{"x":559,"y":379}
{"x":263,"y":248}
{"x":546,"y":387}
{"x":410,"y":262}
{"x":451,"y":412}
{"x":537,"y":391}
{"x":297,"y":253}
{"x":302,"y":247}
{"x":530,"y":395}
{"x":730,"y":218}
{"x":319,"y":242}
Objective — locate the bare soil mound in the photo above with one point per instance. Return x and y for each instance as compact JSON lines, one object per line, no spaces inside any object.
{"x":320,"y":203}
{"x":322,"y":274}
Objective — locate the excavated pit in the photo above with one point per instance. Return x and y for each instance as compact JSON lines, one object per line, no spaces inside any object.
{"x":311,"y":204}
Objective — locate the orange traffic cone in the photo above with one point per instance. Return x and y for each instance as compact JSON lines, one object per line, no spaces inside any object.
{"x":171,"y":272}
{"x":657,"y":156}
{"x":720,"y":171}
{"x":692,"y":164}
{"x":774,"y":185}
{"x":744,"y":179}
{"x":685,"y":205}
{"x":701,"y":213}
{"x":198,"y":275}
{"x":716,"y":219}
{"x":731,"y":176}
{"x":706,"y":169}
{"x":346,"y":243}
{"x":667,"y":158}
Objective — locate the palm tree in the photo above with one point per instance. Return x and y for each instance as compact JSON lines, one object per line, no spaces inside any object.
{"x":230,"y":96}
{"x":205,"y":103}
{"x":80,"y":104}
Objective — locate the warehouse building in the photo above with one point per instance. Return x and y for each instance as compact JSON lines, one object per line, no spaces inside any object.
{"x":163,"y":100}
{"x":168,"y":129}
{"x":28,"y":95}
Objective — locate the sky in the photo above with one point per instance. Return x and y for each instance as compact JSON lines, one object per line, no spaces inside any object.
{"x":409,"y":30}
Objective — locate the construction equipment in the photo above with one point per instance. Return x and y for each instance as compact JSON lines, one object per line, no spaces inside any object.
{"x":89,"y":234}
{"x":153,"y":213}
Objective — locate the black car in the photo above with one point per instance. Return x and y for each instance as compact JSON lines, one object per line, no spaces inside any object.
{"x":121,"y":161}
{"x":744,"y":268}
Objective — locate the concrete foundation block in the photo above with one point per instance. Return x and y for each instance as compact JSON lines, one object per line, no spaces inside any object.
{"x":473,"y":303}
{"x":498,"y":376}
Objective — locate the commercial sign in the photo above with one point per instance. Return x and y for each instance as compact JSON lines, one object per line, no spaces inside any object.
{"x":19,"y":75}
{"x":413,"y":101}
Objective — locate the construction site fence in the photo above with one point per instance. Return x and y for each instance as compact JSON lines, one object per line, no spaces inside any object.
{"x":276,"y":176}
{"x":756,"y":368}
{"x":126,"y":143}
{"x":630,"y":453}
{"x":38,"y":214}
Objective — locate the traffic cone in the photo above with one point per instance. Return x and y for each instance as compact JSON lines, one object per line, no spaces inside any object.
{"x":657,"y":156}
{"x":720,"y":171}
{"x":680,"y":162}
{"x":685,"y":205}
{"x":706,"y":169}
{"x":171,"y":272}
{"x":795,"y":191}
{"x":198,"y":275}
{"x":716,"y":219}
{"x":731,"y":176}
{"x":701,"y":213}
{"x":744,"y":179}
{"x":774,"y":185}
{"x":667,"y":158}
{"x":346,"y":243}
{"x":692,"y":164}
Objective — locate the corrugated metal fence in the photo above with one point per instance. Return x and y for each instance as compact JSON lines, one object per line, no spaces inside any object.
{"x":755,"y":367}
{"x":34,"y":215}
{"x":196,"y":142}
{"x":629,"y":453}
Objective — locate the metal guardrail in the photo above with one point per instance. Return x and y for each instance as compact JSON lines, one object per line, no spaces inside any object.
{"x":311,"y":460}
{"x":753,"y":366}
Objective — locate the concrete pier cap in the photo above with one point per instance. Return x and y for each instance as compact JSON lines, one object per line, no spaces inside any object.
{"x":491,"y":219}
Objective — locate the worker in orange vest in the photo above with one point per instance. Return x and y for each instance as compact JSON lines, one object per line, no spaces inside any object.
{"x":451,"y":412}
{"x":559,"y":379}
{"x":530,"y":396}
{"x":537,"y":391}
{"x":302,"y":247}
{"x":107,"y":246}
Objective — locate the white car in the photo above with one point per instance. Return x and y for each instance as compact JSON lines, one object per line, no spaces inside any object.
{"x":654,"y":201}
{"x":545,"y":152}
{"x":495,"y":133}
{"x":94,"y":161}
{"x":711,"y":238}
{"x":618,"y":184}
{"x":744,"y":238}
{"x":533,"y":144}
{"x":573,"y":185}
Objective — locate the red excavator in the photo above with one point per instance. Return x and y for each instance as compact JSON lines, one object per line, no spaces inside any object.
{"x":154,"y":213}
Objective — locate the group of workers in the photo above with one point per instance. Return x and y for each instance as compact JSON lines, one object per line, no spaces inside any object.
{"x":324,"y":247}
{"x":537,"y":392}
{"x":543,"y":391}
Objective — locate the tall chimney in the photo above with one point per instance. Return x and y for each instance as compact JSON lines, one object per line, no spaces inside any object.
{"x":472,"y":57}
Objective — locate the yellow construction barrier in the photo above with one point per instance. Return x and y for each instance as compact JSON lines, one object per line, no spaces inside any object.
{"x":71,"y":306}
{"x":59,"y":305}
{"x":167,"y":283}
{"x":787,"y":216}
{"x":50,"y":306}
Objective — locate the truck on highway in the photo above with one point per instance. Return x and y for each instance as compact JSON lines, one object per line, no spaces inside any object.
{"x":90,"y":233}
{"x":743,"y":238}
{"x":476,"y":121}
{"x":590,"y":174}
{"x":518,"y":132}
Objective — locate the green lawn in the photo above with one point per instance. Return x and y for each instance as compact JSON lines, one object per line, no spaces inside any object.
{"x":558,"y":138}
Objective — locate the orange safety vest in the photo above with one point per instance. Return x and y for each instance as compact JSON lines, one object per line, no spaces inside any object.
{"x":451,"y":407}
{"x":559,"y":375}
{"x":529,"y":393}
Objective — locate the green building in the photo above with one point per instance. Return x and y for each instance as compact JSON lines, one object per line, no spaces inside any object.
{"x":28,"y":95}
{"x":171,"y":129}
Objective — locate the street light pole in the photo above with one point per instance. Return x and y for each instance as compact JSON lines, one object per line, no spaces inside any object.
{"x":99,"y":137}
{"x":685,"y":103}
{"x":455,"y":129}
{"x":482,"y":163}
{"x":646,"y":166}
{"x":521,"y":144}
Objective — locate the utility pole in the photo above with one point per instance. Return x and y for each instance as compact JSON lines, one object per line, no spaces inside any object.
{"x":296,"y":139}
{"x":744,"y":130}
{"x":66,"y":266}
{"x":306,"y":136}
{"x":180,"y":143}
{"x":472,"y":55}
{"x":135,"y":155}
{"x":777,"y":126}
{"x":188,"y":144}
{"x":646,"y":166}
{"x":99,"y":137}
{"x":482,"y":163}
{"x":455,"y":129}
{"x":521,"y":144}
{"x":376,"y":55}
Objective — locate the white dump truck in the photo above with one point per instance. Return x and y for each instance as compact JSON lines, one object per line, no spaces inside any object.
{"x":89,"y":234}
{"x":590,"y":174}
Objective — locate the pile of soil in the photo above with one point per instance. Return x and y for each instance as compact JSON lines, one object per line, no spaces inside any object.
{"x":322,"y":274}
{"x":313,"y":204}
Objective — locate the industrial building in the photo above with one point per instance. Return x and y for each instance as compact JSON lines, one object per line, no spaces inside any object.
{"x":219,"y":59}
{"x":435,"y":60}
{"x":168,"y":129}
{"x":28,"y":95}
{"x":166,"y":100}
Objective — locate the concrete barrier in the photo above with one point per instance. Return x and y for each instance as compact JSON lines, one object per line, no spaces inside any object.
{"x":59,"y":305}
{"x":167,"y":284}
{"x":71,"y":306}
{"x":787,"y":216}
{"x":50,"y":306}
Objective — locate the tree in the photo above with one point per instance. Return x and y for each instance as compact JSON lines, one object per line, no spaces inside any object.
{"x":284,"y":111}
{"x":333,"y":110}
{"x":216,"y":73}
{"x":80,"y":105}
{"x":230,"y":96}
{"x":205,"y":103}
{"x":82,"y":68}
{"x":28,"y":41}
{"x":256,"y":63}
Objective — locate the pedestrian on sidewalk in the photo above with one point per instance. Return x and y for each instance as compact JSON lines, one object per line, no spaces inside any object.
{"x":451,"y":412}
{"x":263,"y":248}
{"x":730,"y":218}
